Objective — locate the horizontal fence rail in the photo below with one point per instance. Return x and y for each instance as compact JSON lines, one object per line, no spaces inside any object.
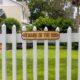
{"x":63,"y":38}
{"x":15,"y":38}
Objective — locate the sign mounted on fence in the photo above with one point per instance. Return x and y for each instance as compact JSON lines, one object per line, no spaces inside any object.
{"x":41,"y":35}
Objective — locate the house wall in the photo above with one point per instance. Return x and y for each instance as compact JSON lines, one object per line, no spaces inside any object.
{"x":13,"y":11}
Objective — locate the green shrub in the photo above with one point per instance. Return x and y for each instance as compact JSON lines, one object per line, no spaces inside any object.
{"x":10,"y":22}
{"x":1,"y":20}
{"x":75,"y":45}
{"x":41,"y":22}
{"x":29,"y":28}
{"x":65,"y":24}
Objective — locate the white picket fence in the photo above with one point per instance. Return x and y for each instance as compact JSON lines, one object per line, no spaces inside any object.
{"x":14,"y":38}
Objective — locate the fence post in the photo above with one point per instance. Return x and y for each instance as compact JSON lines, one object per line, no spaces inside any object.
{"x":34,"y":57}
{"x":24,"y":45}
{"x":3,"y":52}
{"x":79,"y":55}
{"x":45,"y":57}
{"x":14,"y":52}
{"x":57,"y":76}
{"x":69,"y":47}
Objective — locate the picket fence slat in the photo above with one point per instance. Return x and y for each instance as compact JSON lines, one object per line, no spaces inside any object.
{"x":14,"y":52}
{"x":57,"y":76}
{"x":4,"y":52}
{"x":34,"y":57}
{"x":24,"y":45}
{"x":45,"y":57}
{"x":69,"y":47}
{"x":79,"y":56}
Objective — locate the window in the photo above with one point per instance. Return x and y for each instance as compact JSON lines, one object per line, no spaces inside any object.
{"x":2,"y":14}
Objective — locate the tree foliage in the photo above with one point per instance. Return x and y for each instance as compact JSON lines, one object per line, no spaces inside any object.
{"x":9,"y":23}
{"x":76,"y":2}
{"x":50,"y":8}
{"x":52,"y":24}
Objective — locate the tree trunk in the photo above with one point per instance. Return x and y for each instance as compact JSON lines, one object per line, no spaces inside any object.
{"x":77,"y":18}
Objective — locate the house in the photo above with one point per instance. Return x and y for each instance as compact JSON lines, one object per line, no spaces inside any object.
{"x":15,"y":9}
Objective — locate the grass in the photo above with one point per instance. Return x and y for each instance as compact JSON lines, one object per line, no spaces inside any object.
{"x":63,"y":63}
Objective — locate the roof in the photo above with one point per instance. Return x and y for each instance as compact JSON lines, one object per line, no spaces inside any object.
{"x":17,"y":2}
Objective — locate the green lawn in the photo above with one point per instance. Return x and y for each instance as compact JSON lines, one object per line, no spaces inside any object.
{"x":63,"y":63}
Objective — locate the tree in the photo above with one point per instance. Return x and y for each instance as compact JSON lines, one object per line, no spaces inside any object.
{"x":54,"y":8}
{"x":36,"y":8}
{"x":77,"y":4}
{"x":50,"y":8}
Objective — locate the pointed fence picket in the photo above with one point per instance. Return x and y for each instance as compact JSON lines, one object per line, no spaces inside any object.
{"x":79,"y":56}
{"x":24,"y":45}
{"x":57,"y":76}
{"x":69,"y":46}
{"x":34,"y":57}
{"x":45,"y":57}
{"x":3,"y":52}
{"x":15,"y":38}
{"x":14,"y":52}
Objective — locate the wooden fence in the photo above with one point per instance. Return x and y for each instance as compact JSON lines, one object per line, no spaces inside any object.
{"x":15,"y":37}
